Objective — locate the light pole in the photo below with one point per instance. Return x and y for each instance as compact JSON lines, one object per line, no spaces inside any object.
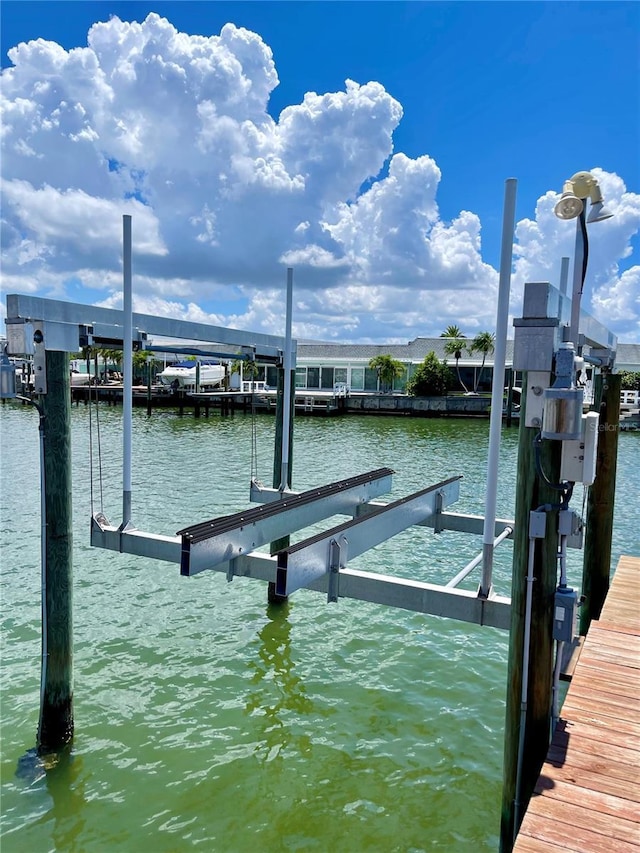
{"x":575,"y":192}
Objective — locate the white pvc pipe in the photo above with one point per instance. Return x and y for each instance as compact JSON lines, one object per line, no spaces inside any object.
{"x":462,"y":574}
{"x":497,"y":386}
{"x":127,"y":357}
{"x":286,"y":411}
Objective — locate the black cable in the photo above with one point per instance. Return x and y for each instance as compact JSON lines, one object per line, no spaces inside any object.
{"x":565,"y":487}
{"x":585,"y":251}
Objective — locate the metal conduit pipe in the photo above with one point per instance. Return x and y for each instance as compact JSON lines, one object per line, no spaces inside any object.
{"x":525,"y":683}
{"x":555,"y":688}
{"x":462,"y":574}
{"x":43,"y":548}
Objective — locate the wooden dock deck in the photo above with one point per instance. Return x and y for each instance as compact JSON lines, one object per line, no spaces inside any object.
{"x":588,"y":795}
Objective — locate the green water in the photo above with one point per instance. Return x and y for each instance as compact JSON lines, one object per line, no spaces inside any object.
{"x":206,"y":719}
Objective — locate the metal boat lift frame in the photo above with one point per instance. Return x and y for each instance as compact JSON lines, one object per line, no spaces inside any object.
{"x":35,"y":325}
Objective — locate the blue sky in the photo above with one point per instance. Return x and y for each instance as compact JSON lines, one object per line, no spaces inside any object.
{"x":487,"y":91}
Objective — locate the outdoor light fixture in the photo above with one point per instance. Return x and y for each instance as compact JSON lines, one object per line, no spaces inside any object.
{"x":575,"y":192}
{"x":578,"y":188}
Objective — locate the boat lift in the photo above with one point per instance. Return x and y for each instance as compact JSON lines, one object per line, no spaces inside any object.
{"x":229,"y":544}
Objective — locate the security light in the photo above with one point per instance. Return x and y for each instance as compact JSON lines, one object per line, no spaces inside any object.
{"x":575,"y":191}
{"x":569,"y":206}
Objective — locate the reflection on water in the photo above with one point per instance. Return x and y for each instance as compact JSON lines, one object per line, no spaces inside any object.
{"x":55,"y":781}
{"x":276,"y":692}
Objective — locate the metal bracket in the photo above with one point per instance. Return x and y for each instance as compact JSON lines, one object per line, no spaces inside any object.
{"x":337,"y":560}
{"x":438,"y":525}
{"x":39,"y":365}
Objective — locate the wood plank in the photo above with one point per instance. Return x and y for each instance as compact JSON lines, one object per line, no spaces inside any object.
{"x":612,"y":635}
{"x":586,"y":680}
{"x":577,"y":837}
{"x":616,"y":674}
{"x":600,"y":783}
{"x":591,"y":738}
{"x":609,"y":825}
{"x":612,"y":641}
{"x":580,"y":794}
{"x":600,"y":705}
{"x":528,"y":844}
{"x":627,"y":697}
{"x":600,"y":765}
{"x":622,"y":656}
{"x":626,"y":628}
{"x":629,"y":731}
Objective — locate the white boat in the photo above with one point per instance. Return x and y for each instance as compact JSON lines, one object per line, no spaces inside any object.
{"x":182,"y":375}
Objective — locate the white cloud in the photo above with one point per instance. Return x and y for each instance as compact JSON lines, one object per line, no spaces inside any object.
{"x":174,"y":129}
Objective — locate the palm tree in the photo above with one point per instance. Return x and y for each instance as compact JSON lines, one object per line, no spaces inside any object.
{"x":387,"y":368}
{"x":452,"y":332}
{"x":455,"y":344}
{"x":483,"y":342}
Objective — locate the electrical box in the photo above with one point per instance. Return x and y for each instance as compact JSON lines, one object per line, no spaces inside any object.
{"x":578,"y":461}
{"x":565,"y":614}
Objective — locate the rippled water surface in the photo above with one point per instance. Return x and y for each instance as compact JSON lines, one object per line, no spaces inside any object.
{"x":206,"y":718}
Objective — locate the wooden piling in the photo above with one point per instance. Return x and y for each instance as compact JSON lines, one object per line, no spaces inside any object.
{"x":599,"y":520}
{"x":531,"y":493}
{"x":55,"y":728}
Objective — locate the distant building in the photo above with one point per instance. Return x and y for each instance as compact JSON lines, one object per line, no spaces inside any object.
{"x":320,"y":366}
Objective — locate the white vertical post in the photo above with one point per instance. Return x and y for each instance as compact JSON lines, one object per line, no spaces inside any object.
{"x":497,"y":385}
{"x":127,"y":357}
{"x":286,"y":413}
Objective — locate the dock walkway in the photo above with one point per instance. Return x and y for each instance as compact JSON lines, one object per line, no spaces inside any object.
{"x":588,"y":795}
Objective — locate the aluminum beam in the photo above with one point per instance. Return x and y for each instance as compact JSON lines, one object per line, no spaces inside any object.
{"x":211,"y":542}
{"x":416,"y":596}
{"x":312,"y":558}
{"x":25,"y":308}
{"x":458,"y":521}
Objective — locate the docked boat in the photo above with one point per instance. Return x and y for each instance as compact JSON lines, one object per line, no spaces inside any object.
{"x":181,"y":376}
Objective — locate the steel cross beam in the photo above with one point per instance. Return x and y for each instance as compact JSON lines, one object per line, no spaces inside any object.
{"x":418,"y":596}
{"x":209,"y":543}
{"x":61,"y":324}
{"x":301,"y":564}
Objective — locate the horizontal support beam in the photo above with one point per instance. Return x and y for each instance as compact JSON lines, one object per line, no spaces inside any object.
{"x":457,"y":521}
{"x":132,"y":541}
{"x":432,"y":599}
{"x":416,"y":596}
{"x":215,"y":541}
{"x":308,"y":560}
{"x":21,"y":307}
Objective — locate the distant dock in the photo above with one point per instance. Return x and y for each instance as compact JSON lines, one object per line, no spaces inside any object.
{"x":306,"y":401}
{"x":227,"y":402}
{"x":588,"y":794}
